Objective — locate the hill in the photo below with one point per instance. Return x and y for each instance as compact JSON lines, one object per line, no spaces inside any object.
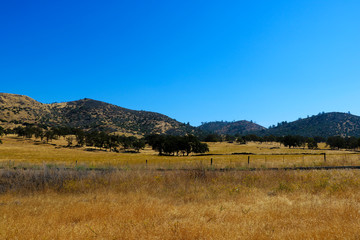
{"x":239,"y":127}
{"x":18,"y":110}
{"x":324,"y":125}
{"x":87,"y":114}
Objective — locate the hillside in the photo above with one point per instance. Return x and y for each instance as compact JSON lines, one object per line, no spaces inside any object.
{"x":231,"y":128}
{"x":18,"y":110}
{"x":324,"y":125}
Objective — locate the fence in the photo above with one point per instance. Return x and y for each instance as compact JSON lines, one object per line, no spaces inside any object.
{"x":262,"y":161}
{"x":231,"y":161}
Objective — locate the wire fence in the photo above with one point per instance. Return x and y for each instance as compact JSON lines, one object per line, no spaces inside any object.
{"x":251,"y":161}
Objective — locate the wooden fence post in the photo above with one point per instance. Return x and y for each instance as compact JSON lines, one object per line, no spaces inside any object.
{"x":324,"y":157}
{"x":211,"y":161}
{"x":248,"y":160}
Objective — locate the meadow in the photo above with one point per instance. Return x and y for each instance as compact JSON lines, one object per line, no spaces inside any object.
{"x":129,"y":200}
{"x":29,"y":152}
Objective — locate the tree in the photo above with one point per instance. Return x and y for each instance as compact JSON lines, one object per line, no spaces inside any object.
{"x":319,"y":139}
{"x":69,"y":140}
{"x":169,"y":145}
{"x":2,"y":132}
{"x":139,"y":144}
{"x":100,"y":139}
{"x":241,"y":140}
{"x":200,"y":148}
{"x":39,"y":133}
{"x":127,"y":142}
{"x":190,"y":141}
{"x":49,"y":135}
{"x":80,"y":137}
{"x":112,"y":142}
{"x":213,"y":138}
{"x":156,"y":142}
{"x":29,"y":131}
{"x":252,"y":138}
{"x":311,"y":143}
{"x":351,"y":143}
{"x":230,"y":138}
{"x":269,"y":138}
{"x":336,"y":142}
{"x":293,"y":141}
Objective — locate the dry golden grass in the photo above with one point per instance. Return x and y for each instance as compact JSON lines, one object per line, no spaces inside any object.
{"x":186,"y":205}
{"x":139,"y":203}
{"x":23,"y":152}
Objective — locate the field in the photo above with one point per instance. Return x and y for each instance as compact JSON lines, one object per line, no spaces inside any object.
{"x":175,"y":197}
{"x":23,"y":152}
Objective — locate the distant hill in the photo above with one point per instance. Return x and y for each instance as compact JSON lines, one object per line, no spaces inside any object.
{"x":239,"y":127}
{"x":324,"y":125}
{"x":87,"y":114}
{"x":19,"y":110}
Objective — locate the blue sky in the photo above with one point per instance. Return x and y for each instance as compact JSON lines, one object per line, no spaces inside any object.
{"x":195,"y":61}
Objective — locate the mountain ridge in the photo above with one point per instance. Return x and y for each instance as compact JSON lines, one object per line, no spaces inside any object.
{"x":87,"y":114}
{"x":323,"y":125}
{"x":90,"y":114}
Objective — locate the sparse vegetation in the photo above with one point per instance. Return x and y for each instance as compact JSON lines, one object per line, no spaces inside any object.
{"x":230,"y":128}
{"x":86,"y":114}
{"x":323,"y":124}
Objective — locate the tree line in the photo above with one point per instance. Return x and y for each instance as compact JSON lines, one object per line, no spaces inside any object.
{"x":163,"y":144}
{"x":334,"y":142}
{"x":79,"y":138}
{"x":254,"y":138}
{"x":171,"y":145}
{"x":338,"y":142}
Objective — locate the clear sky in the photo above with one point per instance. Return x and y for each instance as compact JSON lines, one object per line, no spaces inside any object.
{"x":195,"y":61}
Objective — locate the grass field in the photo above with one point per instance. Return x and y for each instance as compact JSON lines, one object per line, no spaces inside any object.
{"x":18,"y":151}
{"x":134,"y":203}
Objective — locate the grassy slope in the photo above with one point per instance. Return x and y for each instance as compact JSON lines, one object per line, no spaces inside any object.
{"x":16,"y":110}
{"x":325,"y":125}
{"x":239,"y":127}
